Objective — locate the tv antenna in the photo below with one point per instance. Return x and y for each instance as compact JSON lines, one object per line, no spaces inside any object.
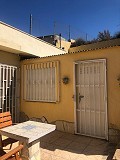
{"x":69,"y":34}
{"x":54,"y":28}
{"x":30,"y":24}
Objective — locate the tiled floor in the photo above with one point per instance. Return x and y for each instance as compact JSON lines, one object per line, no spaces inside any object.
{"x":63,"y":146}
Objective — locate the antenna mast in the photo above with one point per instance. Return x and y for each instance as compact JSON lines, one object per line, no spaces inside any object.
{"x":86,"y":37}
{"x":54,"y":29}
{"x":30,"y":23}
{"x":69,"y":34}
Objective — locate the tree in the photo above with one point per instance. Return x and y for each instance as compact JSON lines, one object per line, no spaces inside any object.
{"x":78,"y":42}
{"x":105,"y":35}
{"x":117,"y":35}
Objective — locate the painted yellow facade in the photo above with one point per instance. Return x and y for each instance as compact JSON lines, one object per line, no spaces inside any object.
{"x":14,"y":43}
{"x":64,"y":110}
{"x":9,"y":58}
{"x":64,"y":44}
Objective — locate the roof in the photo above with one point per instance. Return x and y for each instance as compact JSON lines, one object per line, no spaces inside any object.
{"x":18,"y":42}
{"x":54,"y":36}
{"x":89,"y":47}
{"x":95,"y":46}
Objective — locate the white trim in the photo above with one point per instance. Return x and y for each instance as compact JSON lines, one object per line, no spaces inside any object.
{"x":106,"y":98}
{"x":51,"y":81}
{"x":90,"y":136}
{"x":74,"y":97}
{"x":88,"y":61}
{"x":8,"y":65}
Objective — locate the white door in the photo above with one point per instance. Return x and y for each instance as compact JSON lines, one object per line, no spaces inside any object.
{"x":91,"y":100}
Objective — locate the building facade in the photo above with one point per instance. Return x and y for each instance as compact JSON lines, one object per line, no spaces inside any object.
{"x":58,"y":41}
{"x":16,"y":45}
{"x":78,"y":91}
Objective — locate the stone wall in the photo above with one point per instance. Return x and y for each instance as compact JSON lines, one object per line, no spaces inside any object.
{"x":68,"y":127}
{"x":64,"y":126}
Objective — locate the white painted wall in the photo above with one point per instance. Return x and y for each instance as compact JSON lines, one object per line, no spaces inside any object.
{"x":16,"y":41}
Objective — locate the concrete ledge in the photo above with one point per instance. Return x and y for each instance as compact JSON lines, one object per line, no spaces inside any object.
{"x":17,"y":41}
{"x":117,"y":153}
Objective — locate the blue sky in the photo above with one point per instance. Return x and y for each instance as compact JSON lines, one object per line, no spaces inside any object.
{"x":84,"y":17}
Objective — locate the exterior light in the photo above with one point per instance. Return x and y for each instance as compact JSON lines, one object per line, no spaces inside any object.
{"x":65,"y":80}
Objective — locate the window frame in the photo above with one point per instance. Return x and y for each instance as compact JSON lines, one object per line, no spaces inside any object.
{"x":53,"y":65}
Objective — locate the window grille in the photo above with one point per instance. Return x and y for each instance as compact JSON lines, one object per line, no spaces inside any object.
{"x":8,"y":91}
{"x":41,"y":82}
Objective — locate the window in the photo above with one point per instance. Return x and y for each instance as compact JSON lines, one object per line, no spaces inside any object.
{"x":41,"y":82}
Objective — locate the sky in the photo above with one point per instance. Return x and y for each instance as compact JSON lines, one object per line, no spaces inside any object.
{"x":85,"y":17}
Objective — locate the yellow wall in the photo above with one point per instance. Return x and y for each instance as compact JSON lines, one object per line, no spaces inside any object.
{"x":64,"y":110}
{"x":64,"y":44}
{"x":9,"y":58}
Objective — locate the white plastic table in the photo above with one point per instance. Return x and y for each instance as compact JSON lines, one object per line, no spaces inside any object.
{"x":28,"y":133}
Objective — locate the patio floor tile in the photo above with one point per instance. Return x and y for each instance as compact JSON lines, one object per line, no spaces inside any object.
{"x":82,"y":157}
{"x":97,"y":142}
{"x":63,"y":146}
{"x":76,"y":147}
{"x":83,"y":139}
{"x":70,"y":137}
{"x":67,"y":155}
{"x":63,"y":142}
{"x":49,"y":138}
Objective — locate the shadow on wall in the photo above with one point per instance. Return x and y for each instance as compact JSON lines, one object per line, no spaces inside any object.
{"x":61,"y":125}
{"x":23,"y":117}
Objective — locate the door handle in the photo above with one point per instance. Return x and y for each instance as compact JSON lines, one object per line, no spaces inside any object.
{"x":80,"y":97}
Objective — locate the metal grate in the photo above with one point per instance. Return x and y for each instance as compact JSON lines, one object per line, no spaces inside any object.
{"x":41,"y":82}
{"x":8,"y":80}
{"x":91,"y":109}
